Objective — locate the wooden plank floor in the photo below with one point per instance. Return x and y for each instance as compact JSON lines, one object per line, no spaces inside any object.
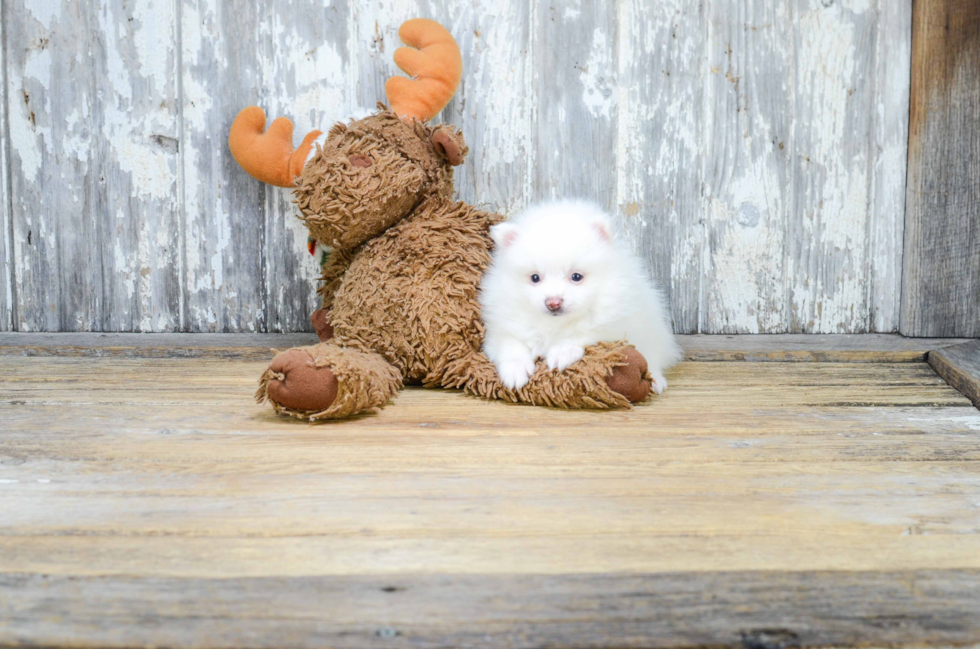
{"x":149,"y":501}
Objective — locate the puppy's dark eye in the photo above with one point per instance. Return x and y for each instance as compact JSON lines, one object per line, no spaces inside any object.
{"x":535,"y":278}
{"x":577,"y":277}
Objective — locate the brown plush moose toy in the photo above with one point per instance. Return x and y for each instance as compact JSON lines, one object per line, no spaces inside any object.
{"x":400,"y":285}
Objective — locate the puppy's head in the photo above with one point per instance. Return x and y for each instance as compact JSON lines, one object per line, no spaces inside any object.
{"x":559,"y":256}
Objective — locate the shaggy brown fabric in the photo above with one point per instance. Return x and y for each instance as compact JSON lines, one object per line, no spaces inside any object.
{"x":402,"y":280}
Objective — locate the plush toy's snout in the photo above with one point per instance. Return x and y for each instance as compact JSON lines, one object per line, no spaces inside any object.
{"x":450,"y":146}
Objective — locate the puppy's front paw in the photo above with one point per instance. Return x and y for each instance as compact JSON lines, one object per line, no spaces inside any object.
{"x":514,"y":374}
{"x":561,"y":356}
{"x":659,"y":383}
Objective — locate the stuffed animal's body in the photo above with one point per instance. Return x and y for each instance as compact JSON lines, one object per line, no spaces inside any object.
{"x":400,"y":288}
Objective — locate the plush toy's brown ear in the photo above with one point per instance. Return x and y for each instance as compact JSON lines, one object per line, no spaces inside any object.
{"x":450,"y":145}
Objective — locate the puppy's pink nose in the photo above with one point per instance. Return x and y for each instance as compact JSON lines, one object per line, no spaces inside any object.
{"x":553,"y":303}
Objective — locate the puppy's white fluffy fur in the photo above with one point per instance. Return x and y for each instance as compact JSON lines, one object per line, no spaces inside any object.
{"x":565,"y":253}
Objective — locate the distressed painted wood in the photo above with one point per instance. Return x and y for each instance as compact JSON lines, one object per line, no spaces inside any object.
{"x":788,"y":180}
{"x":225,"y":211}
{"x":493,"y":105}
{"x":959,"y":365}
{"x":6,"y":258}
{"x":670,"y":114}
{"x":150,"y":502}
{"x":574,"y":85}
{"x":305,"y":74}
{"x":942,"y":234}
{"x":91,"y":91}
{"x":893,"y":52}
{"x":658,"y":146}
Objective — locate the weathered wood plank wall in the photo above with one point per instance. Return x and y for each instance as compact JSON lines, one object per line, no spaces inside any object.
{"x":753,"y":149}
{"x":942,"y":239}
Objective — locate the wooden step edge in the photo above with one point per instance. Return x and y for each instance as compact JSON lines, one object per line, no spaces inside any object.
{"x":830,"y":348}
{"x":959,"y":365}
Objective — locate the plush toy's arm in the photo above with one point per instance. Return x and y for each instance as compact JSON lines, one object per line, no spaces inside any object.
{"x":332,"y":275}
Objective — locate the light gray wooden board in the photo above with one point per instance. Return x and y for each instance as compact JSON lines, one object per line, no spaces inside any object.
{"x":634,"y":105}
{"x":749,"y":610}
{"x":790,"y":164}
{"x":893,"y":52}
{"x":959,"y":365}
{"x":305,"y":76}
{"x":93,"y":145}
{"x":224,"y":209}
{"x":658,"y":145}
{"x":6,"y":263}
{"x":942,"y":233}
{"x":574,"y":85}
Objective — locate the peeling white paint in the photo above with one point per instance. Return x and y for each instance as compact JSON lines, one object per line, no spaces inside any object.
{"x":760,"y":170}
{"x":598,"y":78}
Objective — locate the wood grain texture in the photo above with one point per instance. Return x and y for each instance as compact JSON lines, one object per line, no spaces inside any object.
{"x":960,"y":366}
{"x":493,"y":104}
{"x":151,"y":502}
{"x":833,"y":348}
{"x":731,"y":609}
{"x":669,"y":114}
{"x":93,"y":137}
{"x":6,"y":225}
{"x":225,"y":210}
{"x":574,"y":85}
{"x":893,"y":53}
{"x":941,"y":293}
{"x":659,"y":144}
{"x":791,"y":237}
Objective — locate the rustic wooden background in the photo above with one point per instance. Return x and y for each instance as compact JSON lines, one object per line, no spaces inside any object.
{"x":755,"y":149}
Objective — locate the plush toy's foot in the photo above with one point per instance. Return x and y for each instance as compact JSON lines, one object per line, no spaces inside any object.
{"x":327,"y":382}
{"x":298,"y":384}
{"x":631,"y":379}
{"x":323,"y":328}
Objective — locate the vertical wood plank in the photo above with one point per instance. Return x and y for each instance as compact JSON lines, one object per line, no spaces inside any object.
{"x":6,"y":261}
{"x":941,"y":272}
{"x":831,"y":151}
{"x":747,"y":163}
{"x":893,"y":48}
{"x":55,"y":182}
{"x":224,"y":208}
{"x":374,"y":39}
{"x":493,"y":103}
{"x":93,"y":186}
{"x":791,"y":163}
{"x":140,"y":205}
{"x":661,"y":74}
{"x":305,"y":69}
{"x":574,"y":82}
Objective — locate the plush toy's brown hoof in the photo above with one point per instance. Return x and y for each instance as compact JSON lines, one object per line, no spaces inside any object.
{"x":298,"y":384}
{"x":324,"y":330}
{"x":628,"y":379}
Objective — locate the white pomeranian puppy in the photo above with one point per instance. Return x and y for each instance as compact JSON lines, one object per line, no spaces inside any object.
{"x":560,"y":281}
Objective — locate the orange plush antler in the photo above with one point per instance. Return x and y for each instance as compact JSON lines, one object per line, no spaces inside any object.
{"x":268,"y":155}
{"x":435,"y":67}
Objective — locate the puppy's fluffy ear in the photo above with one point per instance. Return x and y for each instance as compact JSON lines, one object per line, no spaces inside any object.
{"x":503,"y":234}
{"x":602,"y":228}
